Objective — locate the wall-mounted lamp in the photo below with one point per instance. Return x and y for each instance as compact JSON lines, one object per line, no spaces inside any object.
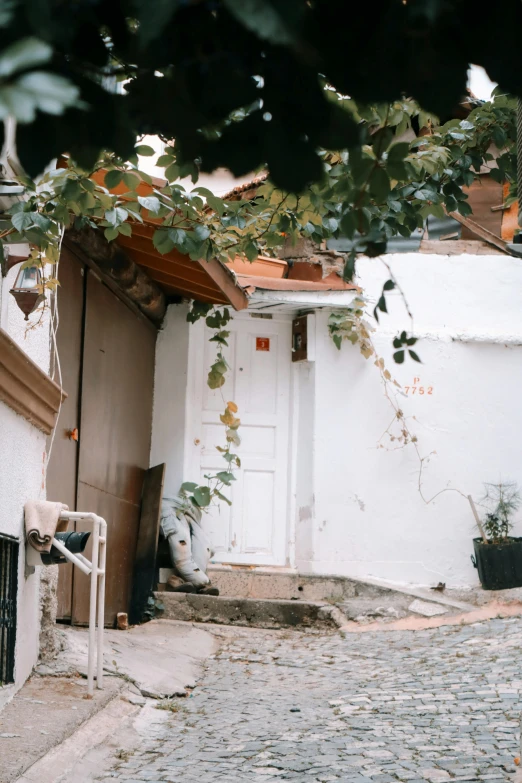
{"x":27,"y":291}
{"x":12,"y":254}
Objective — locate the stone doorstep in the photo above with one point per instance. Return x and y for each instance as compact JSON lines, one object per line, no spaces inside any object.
{"x":287,"y":584}
{"x":260,"y":613}
{"x":68,"y":757}
{"x":44,"y":713}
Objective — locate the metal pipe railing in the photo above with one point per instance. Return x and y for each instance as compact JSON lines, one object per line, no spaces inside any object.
{"x":96,"y":570}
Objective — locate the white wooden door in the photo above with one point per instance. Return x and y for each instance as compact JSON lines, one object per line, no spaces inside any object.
{"x":254,"y":529}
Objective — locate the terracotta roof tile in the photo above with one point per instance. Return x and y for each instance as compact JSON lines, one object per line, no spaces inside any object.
{"x":239,"y":190}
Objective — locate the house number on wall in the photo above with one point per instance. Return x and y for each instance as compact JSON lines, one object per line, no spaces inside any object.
{"x":262,"y":343}
{"x":417,"y":389}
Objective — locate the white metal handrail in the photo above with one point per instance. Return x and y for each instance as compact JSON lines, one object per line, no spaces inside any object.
{"x":96,"y":570}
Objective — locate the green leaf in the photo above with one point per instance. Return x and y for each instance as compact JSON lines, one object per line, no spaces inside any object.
{"x":398,"y":152}
{"x":217,"y":204}
{"x":151,"y":203}
{"x":178,"y":236}
{"x":25,"y":53}
{"x":189,"y":486}
{"x":125,"y":229}
{"x":161,"y":241}
{"x":388,"y":286}
{"x":397,"y":343}
{"x":202,"y":496}
{"x":172,"y":172}
{"x":349,"y":267}
{"x":215,"y":379}
{"x":349,"y":224}
{"x":164,"y":160}
{"x":251,"y":250}
{"x":379,"y":184}
{"x":201,"y":233}
{"x":330,"y":224}
{"x":225,"y":477}
{"x":414,"y":356}
{"x":262,"y":19}
{"x":219,"y":495}
{"x":131,"y":180}
{"x":110,"y":234}
{"x":49,"y":92}
{"x":381,"y":140}
{"x":398,"y":357}
{"x":145,"y":150}
{"x":113,"y":178}
{"x":464,"y":208}
{"x":22,"y":220}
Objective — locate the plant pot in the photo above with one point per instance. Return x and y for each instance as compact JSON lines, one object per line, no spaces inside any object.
{"x":499,"y":565}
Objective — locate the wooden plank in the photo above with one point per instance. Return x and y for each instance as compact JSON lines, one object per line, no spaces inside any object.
{"x":188,"y":289}
{"x":147,"y":546}
{"x":226,"y":282}
{"x":483,"y":194}
{"x":457,"y":247}
{"x":480,"y":232}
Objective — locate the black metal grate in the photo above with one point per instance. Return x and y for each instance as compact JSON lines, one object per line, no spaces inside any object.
{"x":8,"y":594}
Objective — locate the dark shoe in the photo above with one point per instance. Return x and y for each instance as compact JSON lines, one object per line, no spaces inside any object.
{"x":208,"y":591}
{"x":184,"y":588}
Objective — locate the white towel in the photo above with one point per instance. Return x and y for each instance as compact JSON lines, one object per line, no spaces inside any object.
{"x":42,"y":521}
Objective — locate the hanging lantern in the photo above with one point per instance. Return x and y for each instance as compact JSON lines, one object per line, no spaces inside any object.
{"x":27,"y":290}
{"x":12,"y":254}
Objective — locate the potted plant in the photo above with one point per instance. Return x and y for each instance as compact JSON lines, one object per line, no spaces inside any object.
{"x":498,"y":556}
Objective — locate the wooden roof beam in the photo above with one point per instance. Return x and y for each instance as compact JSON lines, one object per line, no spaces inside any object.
{"x":114,"y":262}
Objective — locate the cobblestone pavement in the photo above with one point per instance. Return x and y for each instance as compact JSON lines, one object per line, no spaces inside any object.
{"x":431,"y":705}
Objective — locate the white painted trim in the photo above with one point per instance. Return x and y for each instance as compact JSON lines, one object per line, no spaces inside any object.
{"x":196,"y":351}
{"x":293,"y":438}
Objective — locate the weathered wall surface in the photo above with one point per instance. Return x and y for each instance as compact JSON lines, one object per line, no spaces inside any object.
{"x":170,"y":397}
{"x":369,"y":518}
{"x":22,"y":466}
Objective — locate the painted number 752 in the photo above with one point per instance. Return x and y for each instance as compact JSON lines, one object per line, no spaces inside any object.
{"x":416,"y":388}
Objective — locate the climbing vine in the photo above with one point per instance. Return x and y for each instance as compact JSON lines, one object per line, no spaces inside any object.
{"x":352,"y":325}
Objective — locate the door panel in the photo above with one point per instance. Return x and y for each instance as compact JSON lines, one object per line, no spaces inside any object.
{"x":253,"y":530}
{"x":62,"y":469}
{"x":117,"y":389}
{"x":107,"y":361}
{"x":115,"y":432}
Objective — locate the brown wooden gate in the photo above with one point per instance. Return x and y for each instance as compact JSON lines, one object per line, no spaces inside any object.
{"x":107,"y":357}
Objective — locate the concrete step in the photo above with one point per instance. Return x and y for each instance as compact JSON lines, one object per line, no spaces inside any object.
{"x":261,"y":613}
{"x":286,"y":584}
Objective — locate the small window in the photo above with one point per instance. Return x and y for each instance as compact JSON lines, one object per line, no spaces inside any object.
{"x":8,"y":596}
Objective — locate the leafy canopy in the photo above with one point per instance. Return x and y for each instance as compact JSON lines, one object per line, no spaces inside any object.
{"x":189,"y":67}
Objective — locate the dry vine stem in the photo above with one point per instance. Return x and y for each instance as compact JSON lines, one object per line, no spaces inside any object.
{"x":352,"y":326}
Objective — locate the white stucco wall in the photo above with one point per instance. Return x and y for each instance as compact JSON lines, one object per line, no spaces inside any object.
{"x":22,"y":466}
{"x":369,"y":519}
{"x":170,"y":397}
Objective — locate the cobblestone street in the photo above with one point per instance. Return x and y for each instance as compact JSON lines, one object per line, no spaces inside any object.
{"x":382,"y":706}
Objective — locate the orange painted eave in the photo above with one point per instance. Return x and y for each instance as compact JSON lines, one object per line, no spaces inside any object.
{"x":262,"y":266}
{"x":209,"y":281}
